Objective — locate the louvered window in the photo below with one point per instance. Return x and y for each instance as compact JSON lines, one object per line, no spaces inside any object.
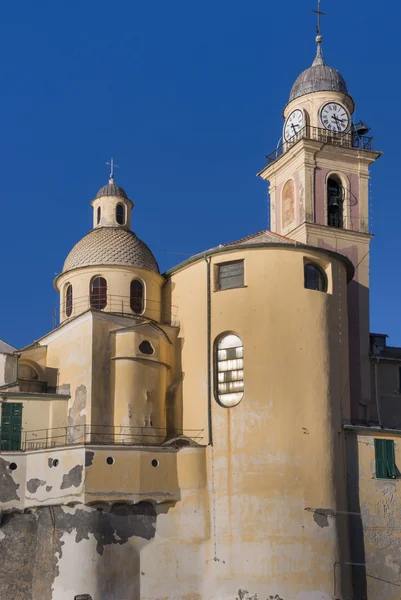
{"x":385,"y":459}
{"x":229,"y":372}
{"x":230,"y":275}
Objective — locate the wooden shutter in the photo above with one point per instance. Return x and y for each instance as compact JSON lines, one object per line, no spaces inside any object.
{"x":385,"y":459}
{"x":390,"y":459}
{"x":11,"y":425}
{"x":380,"y":455}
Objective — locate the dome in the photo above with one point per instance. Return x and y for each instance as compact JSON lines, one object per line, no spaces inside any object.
{"x":318,"y":78}
{"x":111,"y":189}
{"x":111,"y":246}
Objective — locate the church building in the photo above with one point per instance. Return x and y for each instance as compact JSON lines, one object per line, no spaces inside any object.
{"x":229,"y":429}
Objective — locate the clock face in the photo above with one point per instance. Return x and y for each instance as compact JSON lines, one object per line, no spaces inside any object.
{"x":334,"y":117}
{"x":293,"y":124}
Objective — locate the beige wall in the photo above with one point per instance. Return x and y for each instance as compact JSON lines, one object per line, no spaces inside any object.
{"x":375,"y":509}
{"x":278,"y":456}
{"x":118,"y":289}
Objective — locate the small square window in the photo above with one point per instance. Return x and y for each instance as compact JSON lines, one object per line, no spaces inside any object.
{"x":385,"y":459}
{"x":230,"y":275}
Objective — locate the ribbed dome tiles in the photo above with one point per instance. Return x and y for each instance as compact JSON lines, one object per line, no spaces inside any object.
{"x":111,"y":246}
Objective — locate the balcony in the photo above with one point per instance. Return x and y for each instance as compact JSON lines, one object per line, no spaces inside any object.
{"x":82,"y":435}
{"x":120,"y":305}
{"x":343,"y":140}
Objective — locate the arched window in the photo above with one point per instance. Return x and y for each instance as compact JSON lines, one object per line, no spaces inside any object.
{"x":68,"y":300}
{"x":335,"y":200}
{"x":98,"y":215}
{"x":137,"y":296}
{"x":98,"y":293}
{"x":120,"y":214}
{"x":315,"y":278}
{"x":229,"y":370}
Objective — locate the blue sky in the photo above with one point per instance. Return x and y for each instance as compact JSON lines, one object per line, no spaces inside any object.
{"x":188,"y":98}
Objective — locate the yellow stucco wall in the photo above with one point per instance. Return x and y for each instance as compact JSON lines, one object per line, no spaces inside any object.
{"x":374,"y":514}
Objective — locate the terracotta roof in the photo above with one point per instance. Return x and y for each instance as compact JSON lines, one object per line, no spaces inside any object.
{"x":111,"y":246}
{"x":262,"y":237}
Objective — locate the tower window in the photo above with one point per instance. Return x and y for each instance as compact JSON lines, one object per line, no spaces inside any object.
{"x":315,"y":278}
{"x":335,"y":200}
{"x":385,"y":459}
{"x":230,"y":275}
{"x":120,"y":214}
{"x":229,"y":370}
{"x":137,"y":296}
{"x":98,"y":293}
{"x":98,"y":215}
{"x":68,"y":300}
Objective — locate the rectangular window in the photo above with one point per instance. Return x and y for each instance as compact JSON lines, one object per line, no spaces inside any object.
{"x":230,"y":275}
{"x":10,"y":426}
{"x":385,"y":459}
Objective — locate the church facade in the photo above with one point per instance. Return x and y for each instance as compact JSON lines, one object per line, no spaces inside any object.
{"x":227,"y":430}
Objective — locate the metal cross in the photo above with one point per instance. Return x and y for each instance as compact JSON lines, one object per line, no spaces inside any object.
{"x":319,"y":13}
{"x":112,"y":167}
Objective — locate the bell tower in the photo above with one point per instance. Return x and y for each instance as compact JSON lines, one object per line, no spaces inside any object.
{"x":318,"y":181}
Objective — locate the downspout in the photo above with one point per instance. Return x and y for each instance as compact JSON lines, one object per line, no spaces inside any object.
{"x":209,"y":351}
{"x":377,"y":393}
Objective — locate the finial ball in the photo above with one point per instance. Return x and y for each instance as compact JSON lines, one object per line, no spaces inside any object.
{"x":319,"y":39}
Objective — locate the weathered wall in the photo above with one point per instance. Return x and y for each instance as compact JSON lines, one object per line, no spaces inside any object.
{"x":375,"y":519}
{"x":276,"y":470}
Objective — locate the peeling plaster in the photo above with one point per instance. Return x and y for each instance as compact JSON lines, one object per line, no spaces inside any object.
{"x":89,"y":458}
{"x":8,"y":487}
{"x":32,"y":544}
{"x":320,"y":516}
{"x":33,"y":484}
{"x":72,"y":478}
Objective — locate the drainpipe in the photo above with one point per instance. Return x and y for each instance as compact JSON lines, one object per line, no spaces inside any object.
{"x":377,"y":393}
{"x":209,"y":351}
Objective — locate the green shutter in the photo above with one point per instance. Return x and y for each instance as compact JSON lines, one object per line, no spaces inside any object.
{"x":391,"y":470}
{"x":385,"y":459}
{"x":11,"y":425}
{"x":380,"y":455}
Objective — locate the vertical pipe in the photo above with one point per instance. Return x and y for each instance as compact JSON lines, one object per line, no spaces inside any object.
{"x":209,"y":352}
{"x":377,"y":393}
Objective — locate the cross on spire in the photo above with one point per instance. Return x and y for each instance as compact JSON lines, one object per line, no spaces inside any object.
{"x":112,"y":167}
{"x":319,"y":14}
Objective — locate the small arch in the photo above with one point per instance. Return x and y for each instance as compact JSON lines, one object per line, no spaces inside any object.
{"x":98,"y":293}
{"x":27,"y":372}
{"x":335,"y":202}
{"x":98,"y":215}
{"x":229,"y":370}
{"x":68,"y":300}
{"x":120,"y":214}
{"x":314,"y":277}
{"x":137,"y":296}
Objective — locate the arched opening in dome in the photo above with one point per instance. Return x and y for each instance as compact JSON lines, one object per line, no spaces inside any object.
{"x":120,"y":214}
{"x":335,"y":200}
{"x":98,"y":293}
{"x":68,"y":300}
{"x":98,"y":215}
{"x":137,"y":296}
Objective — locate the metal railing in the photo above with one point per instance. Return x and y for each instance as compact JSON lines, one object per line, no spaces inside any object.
{"x":344,"y":140}
{"x":73,"y":435}
{"x":114,"y":303}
